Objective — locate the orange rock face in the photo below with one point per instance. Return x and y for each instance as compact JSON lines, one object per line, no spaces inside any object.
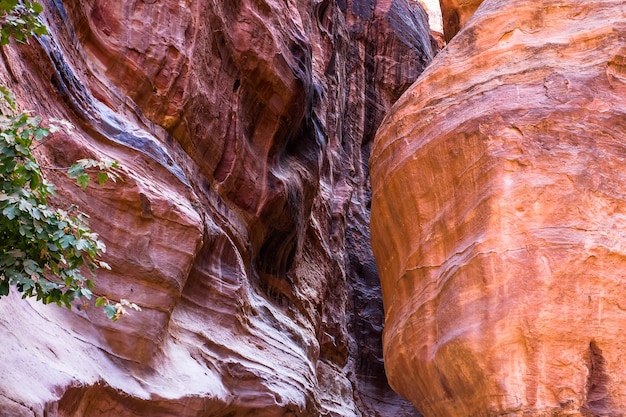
{"x":498,"y":215}
{"x":455,"y":14}
{"x":241,"y":227}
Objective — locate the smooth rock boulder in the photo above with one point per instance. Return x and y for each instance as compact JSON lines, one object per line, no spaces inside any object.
{"x":498,"y":184}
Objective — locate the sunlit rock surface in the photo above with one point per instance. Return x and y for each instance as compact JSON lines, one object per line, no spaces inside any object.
{"x":435,"y":20}
{"x":498,"y":218}
{"x":241,"y":227}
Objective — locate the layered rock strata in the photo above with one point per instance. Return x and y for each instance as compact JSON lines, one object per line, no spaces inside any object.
{"x":241,"y":226}
{"x":497,"y":217}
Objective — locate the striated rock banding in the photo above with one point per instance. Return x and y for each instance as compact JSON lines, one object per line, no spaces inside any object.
{"x":498,"y":186}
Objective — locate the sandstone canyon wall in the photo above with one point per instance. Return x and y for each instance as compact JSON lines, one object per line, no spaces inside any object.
{"x":241,"y":227}
{"x":498,"y":217}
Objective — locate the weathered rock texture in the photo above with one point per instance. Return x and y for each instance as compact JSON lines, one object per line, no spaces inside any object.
{"x":455,"y":14}
{"x":241,"y":227}
{"x":499,"y":182}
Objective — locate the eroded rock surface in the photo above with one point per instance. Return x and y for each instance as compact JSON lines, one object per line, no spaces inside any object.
{"x":498,"y":216}
{"x":455,"y":14}
{"x":241,"y":227}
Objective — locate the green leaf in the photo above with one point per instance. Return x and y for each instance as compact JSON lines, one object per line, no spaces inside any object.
{"x":82,"y":180}
{"x":40,"y":133}
{"x":25,"y":205}
{"x":75,"y":170}
{"x":34,"y":182}
{"x":8,"y":5}
{"x":102,"y":177}
{"x":37,"y":8}
{"x":4,"y":287}
{"x":82,"y":244}
{"x":67,"y":241}
{"x":100,"y":301}
{"x":110,"y":311}
{"x":10,"y":212}
{"x":30,"y":266}
{"x":8,"y":96}
{"x":40,"y":30}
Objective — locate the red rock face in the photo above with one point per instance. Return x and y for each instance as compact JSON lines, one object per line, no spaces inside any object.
{"x":498,"y":187}
{"x":243,"y":130}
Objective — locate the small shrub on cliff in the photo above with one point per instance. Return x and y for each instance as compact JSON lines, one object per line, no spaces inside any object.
{"x":36,"y":240}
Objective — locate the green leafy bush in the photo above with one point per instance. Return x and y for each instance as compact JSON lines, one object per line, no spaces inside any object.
{"x":36,"y":240}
